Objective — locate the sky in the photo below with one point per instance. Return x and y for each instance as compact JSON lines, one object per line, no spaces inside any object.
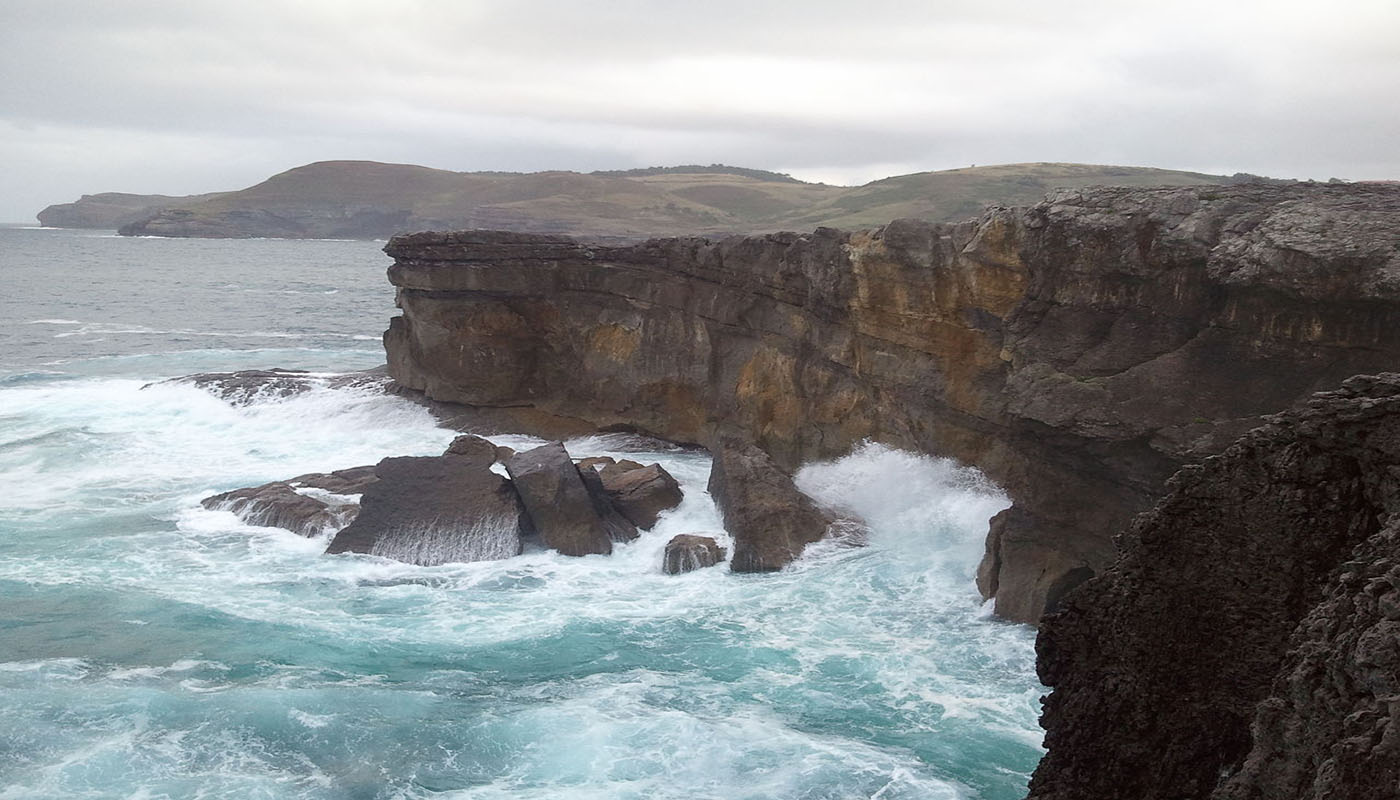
{"x":193,"y":96}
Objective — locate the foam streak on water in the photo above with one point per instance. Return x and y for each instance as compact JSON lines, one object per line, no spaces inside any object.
{"x":153,"y":648}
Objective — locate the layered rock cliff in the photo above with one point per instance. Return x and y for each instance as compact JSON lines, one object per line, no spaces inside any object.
{"x":1078,"y":351}
{"x":1247,"y":644}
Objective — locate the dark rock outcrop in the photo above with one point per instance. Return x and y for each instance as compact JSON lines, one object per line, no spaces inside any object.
{"x":1078,"y":351}
{"x":435,"y":510}
{"x":770,"y":520}
{"x":641,"y":494}
{"x":560,"y":506}
{"x":1247,"y":643}
{"x":280,"y":505}
{"x":688,"y":552}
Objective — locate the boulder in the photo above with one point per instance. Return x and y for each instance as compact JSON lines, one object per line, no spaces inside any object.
{"x":559,"y":505}
{"x":618,"y":468}
{"x":620,"y":528}
{"x":435,"y":510}
{"x":770,"y":520}
{"x":642,"y":494}
{"x":279,"y":504}
{"x":472,"y":446}
{"x":596,"y":463}
{"x":688,"y":552}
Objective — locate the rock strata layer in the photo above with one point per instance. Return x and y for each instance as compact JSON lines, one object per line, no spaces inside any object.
{"x":1247,"y":644}
{"x":1078,"y":351}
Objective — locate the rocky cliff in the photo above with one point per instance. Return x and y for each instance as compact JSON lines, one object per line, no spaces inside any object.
{"x":1247,"y":644}
{"x":1078,"y":351}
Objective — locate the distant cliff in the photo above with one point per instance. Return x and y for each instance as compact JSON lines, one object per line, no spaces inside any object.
{"x":112,"y":210}
{"x":1247,"y":644}
{"x":1078,"y":351}
{"x":365,"y":199}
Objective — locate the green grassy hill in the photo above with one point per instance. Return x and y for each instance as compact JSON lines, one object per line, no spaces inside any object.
{"x":365,"y":199}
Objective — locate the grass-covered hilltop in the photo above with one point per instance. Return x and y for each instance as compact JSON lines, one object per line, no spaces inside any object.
{"x":366,"y":199}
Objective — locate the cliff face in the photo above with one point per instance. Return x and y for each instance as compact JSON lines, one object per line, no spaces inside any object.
{"x":1078,"y":351}
{"x":1247,"y":644}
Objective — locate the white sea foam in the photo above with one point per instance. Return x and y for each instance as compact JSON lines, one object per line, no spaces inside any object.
{"x":706,"y":684}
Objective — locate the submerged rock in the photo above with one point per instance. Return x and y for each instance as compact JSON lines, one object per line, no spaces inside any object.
{"x":248,"y":386}
{"x":560,"y":506}
{"x":641,"y":494}
{"x":435,"y":510}
{"x":688,"y":552}
{"x":770,"y":520}
{"x":279,"y":504}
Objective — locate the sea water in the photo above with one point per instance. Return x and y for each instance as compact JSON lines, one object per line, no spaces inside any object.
{"x":150,"y":648}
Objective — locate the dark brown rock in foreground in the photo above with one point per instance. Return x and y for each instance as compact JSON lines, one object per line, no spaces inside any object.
{"x":770,"y":520}
{"x":1246,"y":646}
{"x":560,"y":506}
{"x":435,"y":510}
{"x":280,"y":505}
{"x":1078,"y":352}
{"x":688,"y":552}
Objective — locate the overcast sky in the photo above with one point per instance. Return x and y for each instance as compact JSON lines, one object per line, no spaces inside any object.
{"x":184,"y":97}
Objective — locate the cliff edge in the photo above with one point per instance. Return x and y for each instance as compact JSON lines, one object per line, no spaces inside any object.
{"x":1247,"y":644}
{"x":1078,"y":351}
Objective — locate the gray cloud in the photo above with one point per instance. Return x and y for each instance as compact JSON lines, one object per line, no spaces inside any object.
{"x":184,"y":97}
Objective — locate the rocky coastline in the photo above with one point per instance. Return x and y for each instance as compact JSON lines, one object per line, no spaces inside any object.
{"x":1078,"y":351}
{"x":1236,"y":638}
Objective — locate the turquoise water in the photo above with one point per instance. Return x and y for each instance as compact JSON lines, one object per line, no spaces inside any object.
{"x":150,"y":648}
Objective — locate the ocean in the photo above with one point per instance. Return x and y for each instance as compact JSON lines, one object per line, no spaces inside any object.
{"x":150,"y":648}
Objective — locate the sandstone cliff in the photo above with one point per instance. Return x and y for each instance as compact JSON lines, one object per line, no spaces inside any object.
{"x":1247,"y":644}
{"x":1078,"y":351}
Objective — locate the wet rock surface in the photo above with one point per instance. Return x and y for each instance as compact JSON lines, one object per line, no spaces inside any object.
{"x":248,"y":386}
{"x":688,"y":552}
{"x":1078,"y":351}
{"x":558,"y":502}
{"x":1246,"y":644}
{"x":431,"y":510}
{"x":770,"y":520}
{"x":642,"y":493}
{"x":279,"y":504}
